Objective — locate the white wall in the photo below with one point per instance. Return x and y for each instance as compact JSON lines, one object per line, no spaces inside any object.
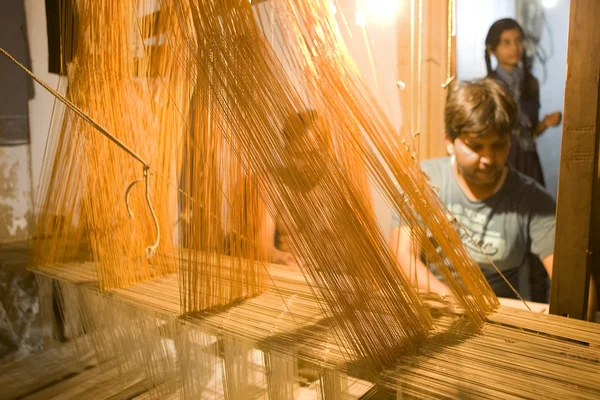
{"x":15,"y":193}
{"x":552,"y":90}
{"x":20,"y":166}
{"x":15,"y":163}
{"x":40,"y":107}
{"x":381,"y":75}
{"x":473,"y":19}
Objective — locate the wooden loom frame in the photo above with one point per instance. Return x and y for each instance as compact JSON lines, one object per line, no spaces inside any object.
{"x":581,"y":159}
{"x":577,"y":239}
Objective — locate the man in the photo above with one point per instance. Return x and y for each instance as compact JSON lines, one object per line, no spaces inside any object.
{"x":501,"y":214}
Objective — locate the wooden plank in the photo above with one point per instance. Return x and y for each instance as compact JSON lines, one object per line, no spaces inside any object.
{"x":94,"y":384}
{"x":546,"y":355}
{"x":423,"y":68}
{"x":433,"y":95}
{"x":22,"y":377}
{"x":575,"y":230}
{"x":405,"y":66}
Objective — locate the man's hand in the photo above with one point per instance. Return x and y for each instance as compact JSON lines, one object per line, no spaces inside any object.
{"x":284,"y":258}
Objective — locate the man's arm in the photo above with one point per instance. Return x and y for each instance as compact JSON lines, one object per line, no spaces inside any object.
{"x":548,"y":261}
{"x":541,"y":226}
{"x":408,"y":254}
{"x":277,"y":256}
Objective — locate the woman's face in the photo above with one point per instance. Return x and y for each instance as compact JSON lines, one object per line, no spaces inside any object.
{"x":510,"y":48}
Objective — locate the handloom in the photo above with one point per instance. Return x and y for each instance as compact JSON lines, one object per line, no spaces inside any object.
{"x":208,"y":93}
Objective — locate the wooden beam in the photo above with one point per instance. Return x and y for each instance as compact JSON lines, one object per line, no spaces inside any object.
{"x":577,"y":240}
{"x":423,"y":67}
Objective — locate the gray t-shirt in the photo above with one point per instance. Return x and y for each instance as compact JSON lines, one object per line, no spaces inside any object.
{"x":517,"y":220}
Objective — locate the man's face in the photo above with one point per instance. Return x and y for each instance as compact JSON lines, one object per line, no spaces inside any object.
{"x":306,"y":159}
{"x":480,"y":159}
{"x":305,"y":151}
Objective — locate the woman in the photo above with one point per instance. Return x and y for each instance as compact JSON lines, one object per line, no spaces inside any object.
{"x":504,"y":41}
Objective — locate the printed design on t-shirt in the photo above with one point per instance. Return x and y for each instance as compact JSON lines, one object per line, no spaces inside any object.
{"x":478,"y":234}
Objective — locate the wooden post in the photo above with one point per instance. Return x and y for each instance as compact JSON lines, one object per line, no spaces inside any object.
{"x":423,"y":67}
{"x":577,"y":240}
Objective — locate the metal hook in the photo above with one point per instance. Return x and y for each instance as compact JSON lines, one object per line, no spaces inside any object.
{"x":150,"y":250}
{"x":131,"y":185}
{"x":448,"y":81}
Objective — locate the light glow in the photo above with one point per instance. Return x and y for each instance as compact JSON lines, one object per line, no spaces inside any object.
{"x":332,"y":8}
{"x":382,"y":9}
{"x":361,"y":20}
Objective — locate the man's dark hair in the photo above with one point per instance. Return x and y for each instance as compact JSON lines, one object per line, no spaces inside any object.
{"x":479,"y":107}
{"x":296,"y":123}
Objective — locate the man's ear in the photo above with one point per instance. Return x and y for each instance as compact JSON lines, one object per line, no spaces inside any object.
{"x":449,"y":146}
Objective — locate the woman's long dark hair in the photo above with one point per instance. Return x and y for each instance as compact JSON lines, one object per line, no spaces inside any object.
{"x":530,"y":84}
